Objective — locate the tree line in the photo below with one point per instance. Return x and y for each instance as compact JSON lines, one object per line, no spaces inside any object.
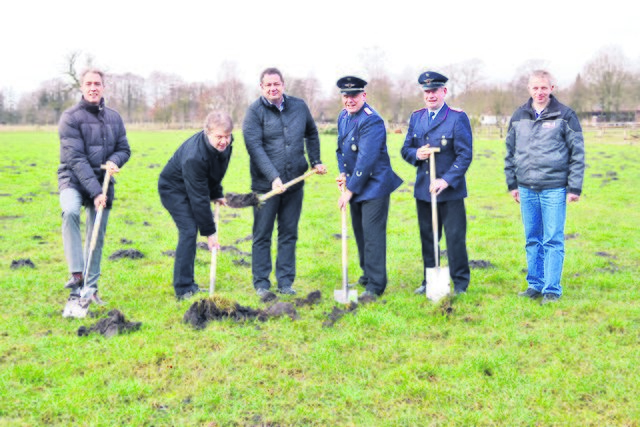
{"x":608,"y":86}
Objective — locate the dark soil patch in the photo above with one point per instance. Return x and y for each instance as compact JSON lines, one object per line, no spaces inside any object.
{"x":232,"y":248}
{"x":25,"y":199}
{"x":126,"y":241}
{"x":280,"y":309}
{"x":245,"y":239}
{"x":216,"y":308}
{"x":480,"y":263}
{"x":311,"y":299}
{"x":235,"y":200}
{"x":170,"y":253}
{"x":241,"y":262}
{"x":337,"y":313}
{"x":115,"y":324}
{"x":146,"y":224}
{"x":126,"y":253}
{"x":268,"y":297}
{"x":154,"y":165}
{"x":10,"y":216}
{"x":571,"y":236}
{"x":17,"y":263}
{"x":202,"y":245}
{"x":605,"y":255}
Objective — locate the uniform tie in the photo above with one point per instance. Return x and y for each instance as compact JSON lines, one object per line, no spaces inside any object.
{"x":431,"y":115}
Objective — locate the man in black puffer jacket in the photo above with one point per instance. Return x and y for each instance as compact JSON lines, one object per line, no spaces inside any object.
{"x":188,"y":183}
{"x":276,"y":129}
{"x":90,"y":135}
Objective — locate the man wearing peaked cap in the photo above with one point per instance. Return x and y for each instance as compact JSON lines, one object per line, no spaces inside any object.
{"x":432,"y":80}
{"x":351,"y":84}
{"x":448,"y":129}
{"x":367,"y":180}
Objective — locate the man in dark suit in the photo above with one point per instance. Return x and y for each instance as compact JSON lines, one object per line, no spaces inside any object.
{"x":277,"y":129}
{"x":441,"y":126}
{"x":368,"y":181}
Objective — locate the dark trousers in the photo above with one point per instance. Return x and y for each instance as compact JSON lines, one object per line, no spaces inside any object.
{"x":369,"y":221}
{"x":452,"y":216}
{"x":178,"y":205}
{"x":286,"y":208}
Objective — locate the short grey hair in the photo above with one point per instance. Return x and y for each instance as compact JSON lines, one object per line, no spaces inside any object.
{"x":93,"y":71}
{"x":542,"y":74}
{"x":218,"y":119}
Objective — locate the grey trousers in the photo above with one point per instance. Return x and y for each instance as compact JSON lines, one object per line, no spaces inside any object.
{"x":71,"y":204}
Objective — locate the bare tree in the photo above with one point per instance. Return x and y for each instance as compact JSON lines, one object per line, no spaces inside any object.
{"x":126,"y":94}
{"x":606,"y":75}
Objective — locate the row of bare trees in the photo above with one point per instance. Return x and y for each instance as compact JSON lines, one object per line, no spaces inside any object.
{"x":609,"y":85}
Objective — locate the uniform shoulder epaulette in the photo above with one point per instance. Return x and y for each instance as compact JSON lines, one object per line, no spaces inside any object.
{"x":459,"y":110}
{"x":368,"y":111}
{"x":417,"y":111}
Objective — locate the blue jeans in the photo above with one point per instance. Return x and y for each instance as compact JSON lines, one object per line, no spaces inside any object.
{"x":543,"y":216}
{"x":71,"y":204}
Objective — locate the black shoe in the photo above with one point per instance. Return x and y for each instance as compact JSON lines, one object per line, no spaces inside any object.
{"x":549,"y":299}
{"x":422,"y":290}
{"x":262,"y":292}
{"x":190,"y":294}
{"x":74,"y":283}
{"x":367,"y":296}
{"x":287,"y":291}
{"x":530,"y":293}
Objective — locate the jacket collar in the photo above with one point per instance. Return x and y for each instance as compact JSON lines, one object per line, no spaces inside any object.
{"x":92,"y":108}
{"x":552,"y":109}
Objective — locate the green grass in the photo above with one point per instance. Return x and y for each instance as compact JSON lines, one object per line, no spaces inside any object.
{"x":493,"y":359}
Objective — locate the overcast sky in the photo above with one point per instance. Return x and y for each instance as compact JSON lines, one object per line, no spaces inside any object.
{"x":324,"y":38}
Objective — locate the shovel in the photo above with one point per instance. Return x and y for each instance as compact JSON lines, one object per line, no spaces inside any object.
{"x":214,"y":252}
{"x":253,"y":199}
{"x":345,"y":295}
{"x":438,"y":277}
{"x":80,"y":307}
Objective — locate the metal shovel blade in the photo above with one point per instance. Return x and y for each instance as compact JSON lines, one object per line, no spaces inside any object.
{"x":437,"y":283}
{"x":345,"y":296}
{"x":77,"y":308}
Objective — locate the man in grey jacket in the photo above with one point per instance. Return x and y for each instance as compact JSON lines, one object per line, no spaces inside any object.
{"x":544,"y":166}
{"x":91,"y":135}
{"x":276,"y":129}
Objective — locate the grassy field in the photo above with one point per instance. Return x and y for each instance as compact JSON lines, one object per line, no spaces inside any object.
{"x":483,"y":358}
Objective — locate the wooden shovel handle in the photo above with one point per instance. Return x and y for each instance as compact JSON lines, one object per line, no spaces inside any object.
{"x":434,"y":205}
{"x":288,"y":184}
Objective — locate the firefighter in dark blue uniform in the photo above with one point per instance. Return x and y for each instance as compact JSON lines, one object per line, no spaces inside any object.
{"x":439,"y":125}
{"x":368,"y":180}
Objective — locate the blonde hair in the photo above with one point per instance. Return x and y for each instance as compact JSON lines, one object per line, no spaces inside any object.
{"x":218,"y":119}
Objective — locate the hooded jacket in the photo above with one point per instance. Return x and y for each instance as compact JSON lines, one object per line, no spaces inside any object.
{"x":90,"y":135}
{"x":545,"y":152}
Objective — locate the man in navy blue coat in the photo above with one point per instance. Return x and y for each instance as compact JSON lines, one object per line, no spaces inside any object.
{"x":441,"y":126}
{"x":368,"y":180}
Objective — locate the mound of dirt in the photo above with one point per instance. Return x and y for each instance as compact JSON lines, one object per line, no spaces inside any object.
{"x":311,"y":299}
{"x":216,"y":308}
{"x":280,"y":309}
{"x":242,"y":200}
{"x":17,"y":263}
{"x":126,"y":253}
{"x":115,"y":324}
